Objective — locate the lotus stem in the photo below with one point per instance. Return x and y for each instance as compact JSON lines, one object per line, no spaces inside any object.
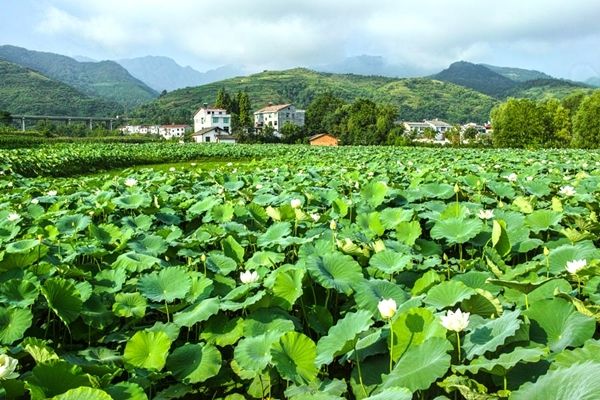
{"x":458,"y":345}
{"x":360,"y":378}
{"x":391,"y":346}
{"x":526,"y":301}
{"x":167,"y":310}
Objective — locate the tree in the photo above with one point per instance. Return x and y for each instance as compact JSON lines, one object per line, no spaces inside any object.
{"x":292,"y":133}
{"x":454,"y":135}
{"x":223,"y":99}
{"x":246,"y":119}
{"x":320,"y":113}
{"x":5,"y":118}
{"x":470,"y":133}
{"x":586,"y":123}
{"x":557,"y":121}
{"x":429,"y":133}
{"x":517,"y":123}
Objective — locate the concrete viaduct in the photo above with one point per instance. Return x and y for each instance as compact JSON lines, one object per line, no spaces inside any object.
{"x":68,"y":119}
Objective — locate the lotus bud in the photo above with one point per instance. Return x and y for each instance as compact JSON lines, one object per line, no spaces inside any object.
{"x":546,"y":251}
{"x":333,"y":225}
{"x":203,"y":258}
{"x":296,"y":203}
{"x":456,"y":188}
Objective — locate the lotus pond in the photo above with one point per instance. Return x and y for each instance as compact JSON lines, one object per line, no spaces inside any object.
{"x":344,"y":273}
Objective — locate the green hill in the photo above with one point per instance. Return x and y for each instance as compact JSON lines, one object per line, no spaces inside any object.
{"x":416,"y":98}
{"x":23,"y":91}
{"x":476,"y":77}
{"x":543,"y":89}
{"x":518,"y":74}
{"x":105,"y":79}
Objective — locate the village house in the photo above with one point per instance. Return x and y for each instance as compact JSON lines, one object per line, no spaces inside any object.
{"x":438,"y":126}
{"x":211,"y":117}
{"x":213,"y":135}
{"x":172,"y":131}
{"x":277,"y":116}
{"x":323,"y":139}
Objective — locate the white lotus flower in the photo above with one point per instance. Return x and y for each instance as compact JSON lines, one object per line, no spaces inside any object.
{"x":172,"y":169}
{"x":296,"y":203}
{"x":529,"y":178}
{"x":249,"y":276}
{"x":315,"y":217}
{"x":51,"y":193}
{"x":486,"y":214}
{"x":130,"y":182}
{"x":258,"y":186}
{"x":512,"y":177}
{"x":333,"y":224}
{"x":34,"y":201}
{"x":455,"y":321}
{"x":575,"y":266}
{"x":9,"y":184}
{"x":387,"y":308}
{"x":193,"y":164}
{"x":567,"y":191}
{"x":7,"y":367}
{"x":229,"y":164}
{"x":13,"y":216}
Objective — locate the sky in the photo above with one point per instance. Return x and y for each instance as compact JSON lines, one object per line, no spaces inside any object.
{"x":559,"y":37}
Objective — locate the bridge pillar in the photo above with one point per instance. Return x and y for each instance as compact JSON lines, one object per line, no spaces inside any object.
{"x":91,"y":125}
{"x":23,"y":124}
{"x":110,"y":128}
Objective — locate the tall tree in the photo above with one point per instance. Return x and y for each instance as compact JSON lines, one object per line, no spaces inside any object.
{"x":5,"y":118}
{"x":517,"y":123}
{"x":586,"y":123}
{"x":320,"y":113}
{"x":557,"y":125}
{"x":246,"y":118}
{"x":223,"y":99}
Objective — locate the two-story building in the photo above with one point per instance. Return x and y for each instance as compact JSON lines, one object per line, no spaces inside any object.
{"x":277,"y":116}
{"x":172,"y":131}
{"x":440,"y":127}
{"x":211,"y":117}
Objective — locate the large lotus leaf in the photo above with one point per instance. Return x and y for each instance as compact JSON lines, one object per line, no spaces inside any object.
{"x":22,"y":246}
{"x":39,"y":350}
{"x":342,"y":336}
{"x":96,"y":314}
{"x":374,"y":193}
{"x":275,"y":235}
{"x":335,"y":271}
{"x":132,"y":201}
{"x":392,"y":394}
{"x":287,"y":286}
{"x":234,"y":305}
{"x":542,"y":220}
{"x":327,"y":390}
{"x":167,"y":285}
{"x":372,"y":370}
{"x":110,"y":280}
{"x":195,"y":313}
{"x":13,"y":324}
{"x":201,"y":207}
{"x":437,"y":190}
{"x":408,"y":232}
{"x":448,"y":293}
{"x":194,"y":363}
{"x":21,"y":254}
{"x":134,"y":262}
{"x":414,"y":327}
{"x":589,"y":352}
{"x":489,"y":334}
{"x":222,"y":330}
{"x":221,"y":264}
{"x":253,"y":354}
{"x":71,"y":224}
{"x":482,"y":303}
{"x":84,"y":393}
{"x":456,"y":230}
{"x":129,"y":305}
{"x":420,"y":366}
{"x":56,"y":377}
{"x":221,"y":213}
{"x":370,"y":293}
{"x":147,"y":350}
{"x":152,"y":245}
{"x":425,"y":282}
{"x":126,"y":391}
{"x":577,"y":382}
{"x":560,"y":256}
{"x":264,"y":259}
{"x":557,"y":324}
{"x":63,"y":298}
{"x":391,"y":217}
{"x":390,"y":262}
{"x":18,"y":293}
{"x":265,"y":320}
{"x":505,"y":361}
{"x":232,"y":249}
{"x":294,"y":357}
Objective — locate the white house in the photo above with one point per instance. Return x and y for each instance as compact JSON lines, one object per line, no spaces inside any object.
{"x":213,"y":135}
{"x":277,"y":116}
{"x":172,"y":131}
{"x":440,"y":127}
{"x":211,"y":117}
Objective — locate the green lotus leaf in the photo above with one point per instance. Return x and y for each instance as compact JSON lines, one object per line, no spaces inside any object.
{"x":56,"y":377}
{"x":414,"y":327}
{"x":286,"y":286}
{"x":151,"y":245}
{"x":221,"y":213}
{"x":13,"y":324}
{"x":426,"y":282}
{"x":437,"y":190}
{"x":71,"y":224}
{"x":63,"y":298}
{"x":560,"y":256}
{"x":126,"y":391}
{"x":500,"y":239}
{"x":110,"y":280}
{"x":420,"y":366}
{"x":374,"y":193}
{"x":590,"y":351}
{"x":168,"y":285}
{"x":201,"y":207}
{"x":39,"y":350}
{"x":489,"y":334}
{"x":275,"y":235}
{"x":294,"y":357}
{"x":392,"y":217}
{"x":232,"y":249}
{"x":265,"y":320}
{"x":133,"y":262}
{"x":392,"y":394}
{"x":390,"y":262}
{"x":370,"y":293}
{"x":341,"y":337}
{"x":132,"y":201}
{"x":194,"y":363}
{"x":557,"y":324}
{"x":221,"y":264}
{"x":18,"y":293}
{"x":22,"y":246}
{"x":542,"y":220}
{"x":577,"y":382}
{"x":499,"y":366}
{"x":83,"y":393}
{"x":456,"y":230}
{"x":195,"y":313}
{"x":326,"y":390}
{"x":129,"y":305}
{"x":335,"y":271}
{"x":147,"y":350}
{"x":222,"y":330}
{"x":448,"y":293}
{"x":253,"y":354}
{"x":483,"y":303}
{"x":408,"y":232}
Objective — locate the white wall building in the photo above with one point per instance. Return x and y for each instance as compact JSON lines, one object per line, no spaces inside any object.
{"x":172,"y":131}
{"x":277,"y":116}
{"x":213,"y":135}
{"x":210,"y":117}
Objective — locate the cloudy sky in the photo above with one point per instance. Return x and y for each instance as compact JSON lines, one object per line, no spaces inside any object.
{"x":559,"y":37}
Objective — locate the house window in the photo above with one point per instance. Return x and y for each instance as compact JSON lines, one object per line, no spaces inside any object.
{"x":207,"y":139}
{"x":225,"y":120}
{"x":215,"y":120}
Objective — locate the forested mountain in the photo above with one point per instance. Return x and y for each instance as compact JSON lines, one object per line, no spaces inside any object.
{"x":518,"y":74}
{"x":104,"y":79}
{"x":163,"y":73}
{"x":476,"y":77}
{"x":23,"y":91}
{"x":415,"y":98}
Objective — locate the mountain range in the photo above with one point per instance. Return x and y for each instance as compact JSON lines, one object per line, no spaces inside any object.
{"x":462,"y":92}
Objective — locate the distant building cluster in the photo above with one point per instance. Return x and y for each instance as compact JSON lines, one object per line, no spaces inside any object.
{"x":439,"y":129}
{"x":165,"y":131}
